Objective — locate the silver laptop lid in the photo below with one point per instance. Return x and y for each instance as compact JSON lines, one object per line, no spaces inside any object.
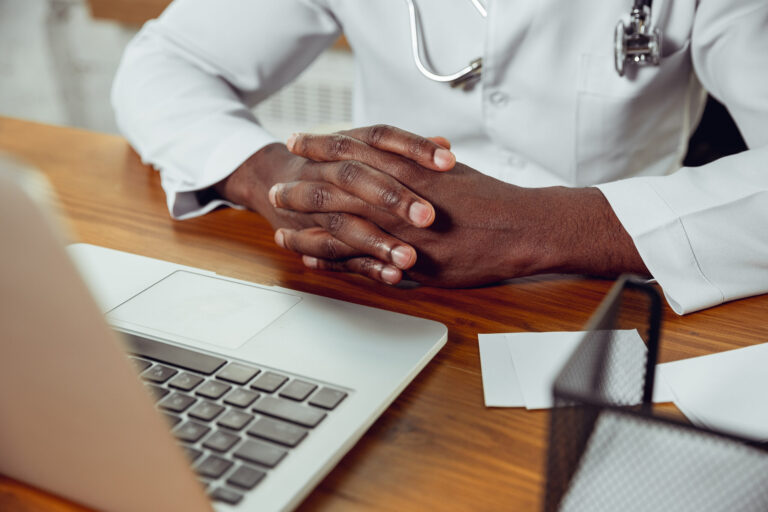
{"x":75,"y":421}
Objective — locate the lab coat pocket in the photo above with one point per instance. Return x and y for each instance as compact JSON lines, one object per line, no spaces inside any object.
{"x":631,"y":125}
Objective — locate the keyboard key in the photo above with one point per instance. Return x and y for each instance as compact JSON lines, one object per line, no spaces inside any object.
{"x":177,"y":356}
{"x":158,"y":374}
{"x":289,"y":411}
{"x":234,"y":420}
{"x":213,"y":389}
{"x":241,"y":397}
{"x":237,"y":373}
{"x":172,"y":419}
{"x":191,"y":431}
{"x":327,"y":398}
{"x":260,"y":453}
{"x":297,"y":390}
{"x":140,"y":364}
{"x":205,"y":411}
{"x":221,"y":441}
{"x":278,"y":431}
{"x":157,"y":391}
{"x":186,"y":381}
{"x":269,"y":382}
{"x":176,"y":402}
{"x":246,"y":477}
{"x":213,"y":467}
{"x":192,"y":453}
{"x":226,"y":495}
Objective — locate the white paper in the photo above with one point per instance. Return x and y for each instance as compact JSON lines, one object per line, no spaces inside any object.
{"x":523,"y":377}
{"x":500,"y":386}
{"x":539,"y":357}
{"x":726,"y":391}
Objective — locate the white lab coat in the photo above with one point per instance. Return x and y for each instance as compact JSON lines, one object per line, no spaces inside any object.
{"x":550,"y":108}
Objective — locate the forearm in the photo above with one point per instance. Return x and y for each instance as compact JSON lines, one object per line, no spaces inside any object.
{"x":188,"y":123}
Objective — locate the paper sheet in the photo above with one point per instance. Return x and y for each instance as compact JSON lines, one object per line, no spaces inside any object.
{"x":500,"y":385}
{"x":525,"y":375}
{"x":726,"y":391}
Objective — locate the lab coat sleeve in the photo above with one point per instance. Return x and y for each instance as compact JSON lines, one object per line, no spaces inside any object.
{"x":703,"y":232}
{"x":183,"y":91}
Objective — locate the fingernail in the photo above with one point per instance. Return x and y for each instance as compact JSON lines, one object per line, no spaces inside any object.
{"x":443,"y":158}
{"x":280,"y":238}
{"x":309,"y":261}
{"x":291,"y":141}
{"x":402,"y":256}
{"x":273,"y":193}
{"x":390,"y":275}
{"x":420,"y":214}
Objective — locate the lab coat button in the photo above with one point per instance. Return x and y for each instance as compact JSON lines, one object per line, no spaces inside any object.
{"x":499,"y":98}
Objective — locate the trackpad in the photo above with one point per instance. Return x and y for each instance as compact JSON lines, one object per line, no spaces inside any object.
{"x":202,"y":308}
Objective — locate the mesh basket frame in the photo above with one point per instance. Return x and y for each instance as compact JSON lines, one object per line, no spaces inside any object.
{"x":579,"y":402}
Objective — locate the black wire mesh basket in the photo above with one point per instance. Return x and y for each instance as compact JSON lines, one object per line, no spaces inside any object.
{"x":609,"y":450}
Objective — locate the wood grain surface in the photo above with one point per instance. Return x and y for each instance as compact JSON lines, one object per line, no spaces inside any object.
{"x":437,"y":447}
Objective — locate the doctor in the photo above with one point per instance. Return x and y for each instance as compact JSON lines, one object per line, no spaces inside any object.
{"x":549,"y":161}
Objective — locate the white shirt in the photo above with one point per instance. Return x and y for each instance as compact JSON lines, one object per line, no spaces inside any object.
{"x":550,"y":109}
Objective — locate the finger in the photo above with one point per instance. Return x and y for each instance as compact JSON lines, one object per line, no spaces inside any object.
{"x":441,"y":141}
{"x":367,"y":238}
{"x":314,"y":241}
{"x":364,"y":266}
{"x":356,"y":145}
{"x":344,"y":236}
{"x":352,"y":187}
{"x":415,"y":147}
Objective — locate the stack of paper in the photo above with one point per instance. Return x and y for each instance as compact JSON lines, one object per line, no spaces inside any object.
{"x":726,"y":391}
{"x":520,"y":368}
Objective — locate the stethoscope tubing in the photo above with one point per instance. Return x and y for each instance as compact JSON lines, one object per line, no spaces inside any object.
{"x":416,"y":49}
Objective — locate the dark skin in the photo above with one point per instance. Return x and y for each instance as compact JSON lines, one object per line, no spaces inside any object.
{"x":343,"y":201}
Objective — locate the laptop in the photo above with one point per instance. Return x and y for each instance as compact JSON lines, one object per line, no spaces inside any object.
{"x":130,"y":383}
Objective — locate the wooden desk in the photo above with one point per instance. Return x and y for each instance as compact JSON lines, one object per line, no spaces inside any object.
{"x":437,"y":447}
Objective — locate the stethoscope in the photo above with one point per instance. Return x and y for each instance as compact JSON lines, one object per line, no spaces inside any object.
{"x":634,"y":44}
{"x":462,"y":78}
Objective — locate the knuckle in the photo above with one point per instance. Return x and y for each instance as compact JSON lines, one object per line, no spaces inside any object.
{"x":349,"y":173}
{"x":331,"y":249}
{"x":368,"y":267}
{"x":336,"y":222}
{"x":337,"y":145}
{"x":389,"y":197}
{"x":417,"y":147}
{"x":377,"y":133}
{"x":376,"y":243}
{"x":319,"y":198}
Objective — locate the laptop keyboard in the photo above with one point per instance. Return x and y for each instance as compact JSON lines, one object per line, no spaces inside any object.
{"x":235,"y":421}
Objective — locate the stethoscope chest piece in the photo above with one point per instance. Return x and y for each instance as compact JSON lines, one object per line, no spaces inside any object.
{"x":636,"y":43}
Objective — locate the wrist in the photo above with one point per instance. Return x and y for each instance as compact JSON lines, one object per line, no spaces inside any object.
{"x":580,"y":234}
{"x":249,"y":184}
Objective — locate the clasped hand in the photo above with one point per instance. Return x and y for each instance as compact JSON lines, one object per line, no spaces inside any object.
{"x":386,"y":203}
{"x":398,"y":203}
